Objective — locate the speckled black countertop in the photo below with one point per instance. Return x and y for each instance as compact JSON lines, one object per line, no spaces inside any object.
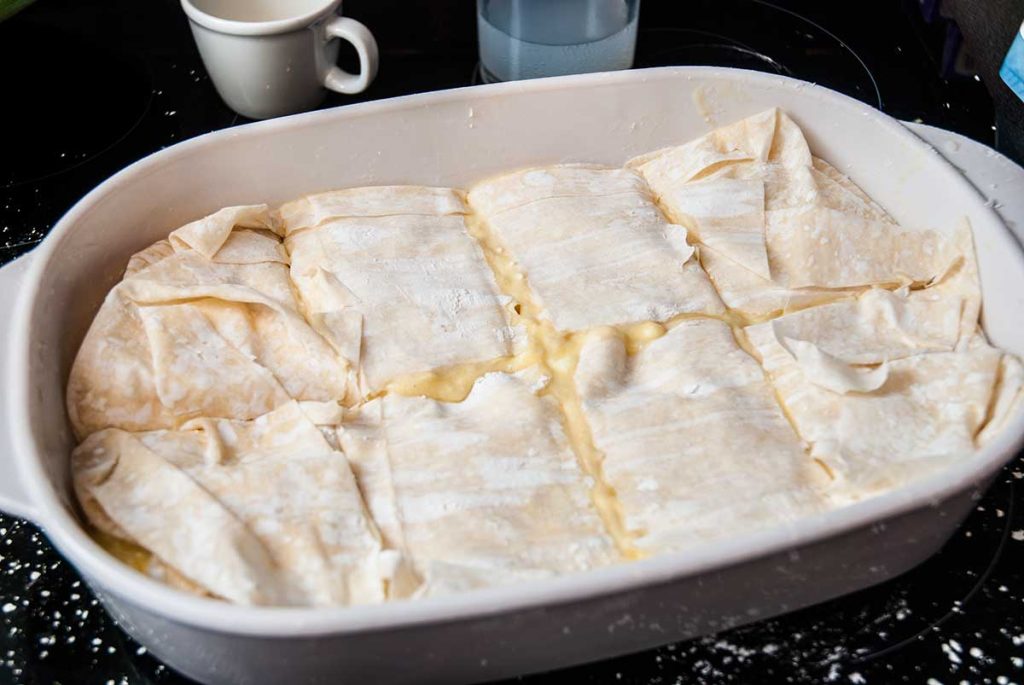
{"x":133,"y":84}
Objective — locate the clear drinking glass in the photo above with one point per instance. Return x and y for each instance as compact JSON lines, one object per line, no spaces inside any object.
{"x":521,"y":39}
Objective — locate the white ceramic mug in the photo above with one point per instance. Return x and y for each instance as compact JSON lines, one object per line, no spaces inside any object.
{"x":274,"y":57}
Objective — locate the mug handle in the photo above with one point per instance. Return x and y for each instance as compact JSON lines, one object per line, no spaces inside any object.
{"x":13,"y":498}
{"x":360,"y":37}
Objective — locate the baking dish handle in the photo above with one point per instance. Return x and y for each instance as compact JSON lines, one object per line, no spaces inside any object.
{"x":13,"y":497}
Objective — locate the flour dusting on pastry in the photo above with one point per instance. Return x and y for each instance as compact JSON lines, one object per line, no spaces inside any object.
{"x":383,"y":393}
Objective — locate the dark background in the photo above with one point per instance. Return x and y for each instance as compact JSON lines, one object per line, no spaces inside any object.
{"x":88,"y":86}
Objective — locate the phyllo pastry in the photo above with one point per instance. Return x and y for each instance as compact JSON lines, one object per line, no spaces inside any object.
{"x":755,"y":197}
{"x":392,"y":278}
{"x":394,"y":392}
{"x":890,"y":386}
{"x":203,"y":324}
{"x":593,"y":247}
{"x":692,"y":440}
{"x":258,"y":512}
{"x":481,"y":492}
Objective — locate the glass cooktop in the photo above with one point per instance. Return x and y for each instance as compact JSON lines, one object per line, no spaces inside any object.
{"x":134,"y":84}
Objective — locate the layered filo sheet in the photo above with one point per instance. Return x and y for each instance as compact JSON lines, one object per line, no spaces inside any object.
{"x":481,"y":492}
{"x":780,"y":229}
{"x":382,"y":393}
{"x":746,"y":470}
{"x":204,"y":324}
{"x":376,"y":268}
{"x":593,"y":246}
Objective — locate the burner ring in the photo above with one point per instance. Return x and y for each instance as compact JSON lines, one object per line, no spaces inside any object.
{"x":84,"y":118}
{"x":769,"y":38}
{"x":874,"y":82}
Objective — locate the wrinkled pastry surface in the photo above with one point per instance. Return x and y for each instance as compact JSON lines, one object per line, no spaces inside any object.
{"x":378,"y":267}
{"x":481,"y":492}
{"x":594,"y":247}
{"x":382,"y":393}
{"x":693,"y":440}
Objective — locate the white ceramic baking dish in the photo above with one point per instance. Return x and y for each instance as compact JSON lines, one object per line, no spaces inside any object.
{"x":454,"y":138}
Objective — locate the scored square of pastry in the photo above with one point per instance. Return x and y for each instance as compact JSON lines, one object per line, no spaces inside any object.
{"x":890,"y":386}
{"x":693,"y":442}
{"x":392,"y":278}
{"x":482,"y":492}
{"x":593,"y":247}
{"x":752,"y":192}
{"x":203,"y":324}
{"x":257,"y":512}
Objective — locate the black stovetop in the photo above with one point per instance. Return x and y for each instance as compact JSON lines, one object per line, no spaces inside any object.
{"x":90,"y":86}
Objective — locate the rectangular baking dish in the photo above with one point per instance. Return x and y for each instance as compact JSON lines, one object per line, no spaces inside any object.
{"x":454,"y":138}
